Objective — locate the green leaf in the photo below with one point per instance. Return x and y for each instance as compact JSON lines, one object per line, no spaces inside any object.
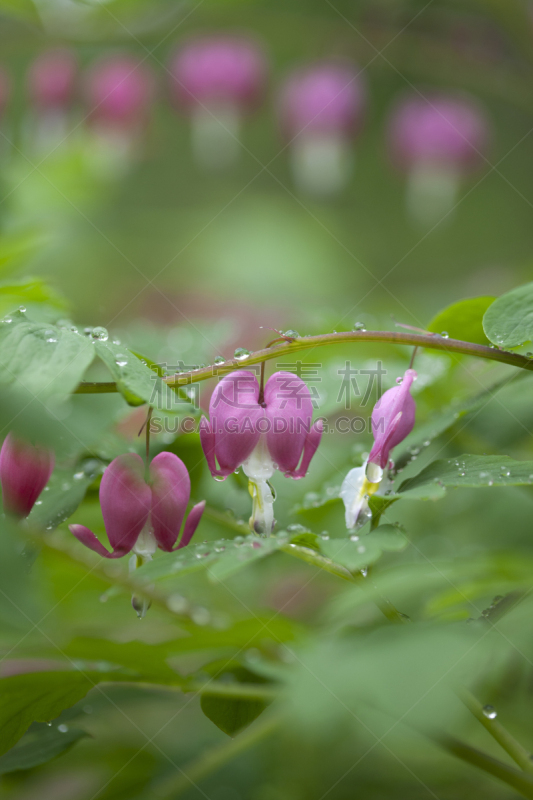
{"x":423,"y":434}
{"x":16,"y":248}
{"x":472,"y":471}
{"x":63,"y":495}
{"x":21,"y":9}
{"x":47,"y":361}
{"x":31,"y":290}
{"x":221,"y":558}
{"x":39,"y":697}
{"x":40,"y":746}
{"x":229,"y":714}
{"x":508,"y":322}
{"x":356,"y":552}
{"x":137,"y":383}
{"x":463,"y":320}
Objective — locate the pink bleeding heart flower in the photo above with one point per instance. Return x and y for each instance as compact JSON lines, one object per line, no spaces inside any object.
{"x":52,"y":78}
{"x":217,"y":71}
{"x":321,"y":109}
{"x":445,"y":129}
{"x":325,"y":98}
{"x":260,"y":434}
{"x":437,"y":140}
{"x":393,"y":419}
{"x":216,"y":81}
{"x":141,"y":516}
{"x":119,"y":91}
{"x":25,"y":470}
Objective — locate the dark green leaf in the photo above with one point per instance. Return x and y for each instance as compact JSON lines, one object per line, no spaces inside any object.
{"x":46,"y":360}
{"x":229,"y":714}
{"x":463,"y":320}
{"x":39,"y":746}
{"x":42,"y":696}
{"x":509,"y":320}
{"x":472,"y":471}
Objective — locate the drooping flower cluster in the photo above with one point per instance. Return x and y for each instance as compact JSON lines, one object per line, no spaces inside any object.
{"x":393,"y":418}
{"x":261,"y":433}
{"x":258,"y":429}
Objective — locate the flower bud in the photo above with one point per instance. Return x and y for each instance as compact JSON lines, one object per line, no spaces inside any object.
{"x":321,"y":109}
{"x":24,"y":472}
{"x":393,"y":419}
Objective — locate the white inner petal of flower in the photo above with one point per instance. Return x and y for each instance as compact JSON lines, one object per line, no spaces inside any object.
{"x":355,"y":492}
{"x":146,"y":543}
{"x":259,"y":467}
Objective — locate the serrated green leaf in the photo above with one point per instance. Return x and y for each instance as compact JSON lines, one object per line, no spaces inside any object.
{"x":137,"y":383}
{"x":39,"y":747}
{"x":463,"y":320}
{"x":472,"y":471}
{"x":508,"y":322}
{"x":229,"y":714}
{"x":47,"y":361}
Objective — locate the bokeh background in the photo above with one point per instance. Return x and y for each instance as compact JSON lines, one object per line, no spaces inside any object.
{"x":184,"y":261}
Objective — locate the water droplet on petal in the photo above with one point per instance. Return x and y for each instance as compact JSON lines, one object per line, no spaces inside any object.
{"x":445,"y":334}
{"x":62,"y":728}
{"x":241,"y":354}
{"x":359,"y":326}
{"x":219,"y":360}
{"x":490,"y":712}
{"x":121,"y":360}
{"x":291,"y":334}
{"x":22,"y":309}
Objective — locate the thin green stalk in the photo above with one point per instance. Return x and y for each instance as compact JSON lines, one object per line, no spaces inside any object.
{"x":209,"y":762}
{"x":518,"y":753}
{"x":519,"y":781}
{"x":430,"y":341}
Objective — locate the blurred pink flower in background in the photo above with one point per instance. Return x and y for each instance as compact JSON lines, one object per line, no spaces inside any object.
{"x":5,"y":90}
{"x":437,"y":140}
{"x":321,"y":109}
{"x":119,"y":92}
{"x":51,"y":86}
{"x":52,"y":80}
{"x":216,"y":81}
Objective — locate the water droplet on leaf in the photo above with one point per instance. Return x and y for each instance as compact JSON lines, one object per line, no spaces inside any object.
{"x":100,"y":334}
